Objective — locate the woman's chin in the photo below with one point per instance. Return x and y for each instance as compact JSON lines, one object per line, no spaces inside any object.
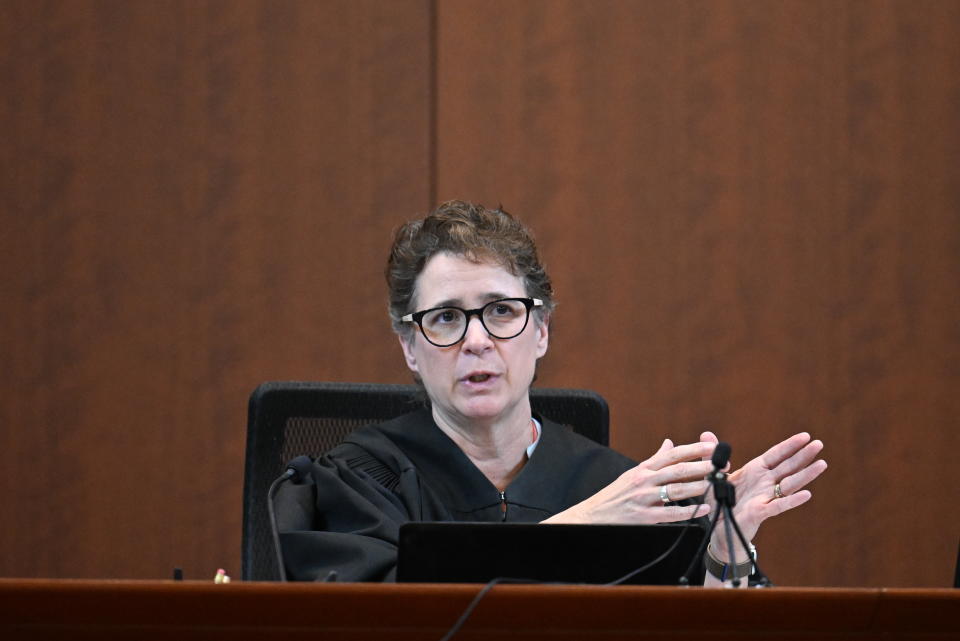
{"x":481,"y":408}
{"x":481,"y":411}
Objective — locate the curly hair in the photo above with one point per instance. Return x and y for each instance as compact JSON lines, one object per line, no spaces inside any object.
{"x":468,"y":230}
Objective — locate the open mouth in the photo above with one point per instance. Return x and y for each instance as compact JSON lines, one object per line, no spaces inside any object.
{"x":479,"y":378}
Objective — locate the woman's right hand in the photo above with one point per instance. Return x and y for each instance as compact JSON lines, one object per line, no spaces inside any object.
{"x":635,"y":496}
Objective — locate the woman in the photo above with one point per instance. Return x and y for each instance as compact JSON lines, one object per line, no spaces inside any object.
{"x":471,"y":305}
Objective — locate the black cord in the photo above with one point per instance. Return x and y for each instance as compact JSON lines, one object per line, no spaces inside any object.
{"x":731,"y":551}
{"x":669,"y":550}
{"x":476,"y":601}
{"x":763,"y":580}
{"x":725,"y":507}
{"x":273,"y":524}
{"x":503,"y":579}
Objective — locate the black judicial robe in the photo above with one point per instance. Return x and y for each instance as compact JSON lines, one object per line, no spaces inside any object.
{"x":347,"y":517}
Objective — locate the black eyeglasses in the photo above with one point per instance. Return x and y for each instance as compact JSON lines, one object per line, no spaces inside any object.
{"x":446,"y":326}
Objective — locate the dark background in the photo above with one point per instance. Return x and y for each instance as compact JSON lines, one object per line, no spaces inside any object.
{"x":751,"y":211}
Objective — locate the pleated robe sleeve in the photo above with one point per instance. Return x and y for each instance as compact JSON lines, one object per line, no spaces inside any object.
{"x":347,"y":517}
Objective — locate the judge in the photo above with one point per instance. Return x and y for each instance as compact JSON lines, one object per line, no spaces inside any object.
{"x":471,"y":305}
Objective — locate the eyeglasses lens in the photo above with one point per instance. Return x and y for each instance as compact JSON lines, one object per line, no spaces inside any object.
{"x":502,"y":319}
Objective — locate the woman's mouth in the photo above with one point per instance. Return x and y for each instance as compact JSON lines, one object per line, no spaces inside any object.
{"x":479,"y":378}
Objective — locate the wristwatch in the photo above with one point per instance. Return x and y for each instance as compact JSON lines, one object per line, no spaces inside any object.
{"x":722,"y":570}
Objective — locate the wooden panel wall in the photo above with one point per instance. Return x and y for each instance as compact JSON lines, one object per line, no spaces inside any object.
{"x":196,"y":198}
{"x":750,"y":210}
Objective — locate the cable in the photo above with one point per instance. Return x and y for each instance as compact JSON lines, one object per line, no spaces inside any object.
{"x":476,"y":600}
{"x":503,"y":579}
{"x":644,"y":568}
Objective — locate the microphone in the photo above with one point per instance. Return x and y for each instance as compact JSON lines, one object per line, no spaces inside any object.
{"x":720,"y":459}
{"x":726,"y":496}
{"x":299,"y":469}
{"x":721,"y":456}
{"x":724,"y":493}
{"x":296,"y":471}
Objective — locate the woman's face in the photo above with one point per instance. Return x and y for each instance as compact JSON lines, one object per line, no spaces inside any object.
{"x":481,"y":377}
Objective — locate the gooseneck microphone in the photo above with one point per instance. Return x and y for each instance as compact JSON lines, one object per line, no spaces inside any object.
{"x":725,"y":493}
{"x":297,"y":471}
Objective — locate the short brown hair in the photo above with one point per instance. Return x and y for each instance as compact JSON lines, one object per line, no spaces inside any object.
{"x":468,"y":230}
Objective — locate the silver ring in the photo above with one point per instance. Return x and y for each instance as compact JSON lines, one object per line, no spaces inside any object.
{"x":777,"y":492}
{"x":663,"y":494}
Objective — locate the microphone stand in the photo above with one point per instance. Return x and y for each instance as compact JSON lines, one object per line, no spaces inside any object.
{"x":726,"y":496}
{"x":297,"y":470}
{"x":274,"y":530}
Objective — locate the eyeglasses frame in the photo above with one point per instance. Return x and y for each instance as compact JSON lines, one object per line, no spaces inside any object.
{"x":417,"y":317}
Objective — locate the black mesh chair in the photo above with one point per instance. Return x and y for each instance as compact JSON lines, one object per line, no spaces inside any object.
{"x":287,"y":419}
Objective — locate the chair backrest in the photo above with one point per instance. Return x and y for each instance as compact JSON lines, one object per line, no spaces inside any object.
{"x":287,"y":419}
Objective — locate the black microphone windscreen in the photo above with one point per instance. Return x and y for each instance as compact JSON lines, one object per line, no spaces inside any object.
{"x":300,"y":467}
{"x":721,"y":455}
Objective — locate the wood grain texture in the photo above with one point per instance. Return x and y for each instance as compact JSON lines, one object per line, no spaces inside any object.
{"x":192,"y":192}
{"x":750,"y":212}
{"x":106,"y":610}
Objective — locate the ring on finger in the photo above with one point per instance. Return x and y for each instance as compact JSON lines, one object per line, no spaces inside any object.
{"x":664,"y":495}
{"x":777,"y":491}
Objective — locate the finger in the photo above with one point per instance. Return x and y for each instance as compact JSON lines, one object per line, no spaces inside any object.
{"x":674,"y":513}
{"x":674,"y":455}
{"x":784,"y":450}
{"x":709,"y":437}
{"x":791,"y":484}
{"x":661,"y":451}
{"x":684,"y":471}
{"x":779,"y":506}
{"x":681,"y":491}
{"x":800,"y":460}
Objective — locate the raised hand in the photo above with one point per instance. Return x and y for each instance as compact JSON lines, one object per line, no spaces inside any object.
{"x":640,"y":494}
{"x":770,"y":484}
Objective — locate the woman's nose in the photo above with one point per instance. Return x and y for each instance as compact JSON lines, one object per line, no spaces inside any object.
{"x":477,"y":338}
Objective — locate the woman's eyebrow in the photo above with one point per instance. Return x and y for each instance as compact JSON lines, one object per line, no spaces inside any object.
{"x":448,"y":302}
{"x":458,"y":302}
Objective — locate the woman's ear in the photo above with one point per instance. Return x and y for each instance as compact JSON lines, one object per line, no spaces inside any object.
{"x":406,"y":344}
{"x":543,"y":337}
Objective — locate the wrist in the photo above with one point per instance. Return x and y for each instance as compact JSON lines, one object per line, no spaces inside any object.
{"x":720,"y":551}
{"x":572,"y":515}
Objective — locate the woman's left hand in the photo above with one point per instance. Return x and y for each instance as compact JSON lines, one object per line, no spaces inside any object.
{"x":790,"y":465}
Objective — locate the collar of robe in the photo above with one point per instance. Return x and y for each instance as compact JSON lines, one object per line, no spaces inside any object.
{"x":442,"y":465}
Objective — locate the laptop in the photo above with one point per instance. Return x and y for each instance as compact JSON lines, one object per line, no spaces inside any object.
{"x":457,"y":552}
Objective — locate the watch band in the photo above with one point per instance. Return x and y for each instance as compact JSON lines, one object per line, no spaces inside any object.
{"x":722,"y":570}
